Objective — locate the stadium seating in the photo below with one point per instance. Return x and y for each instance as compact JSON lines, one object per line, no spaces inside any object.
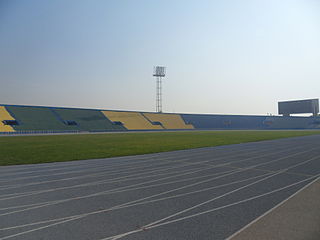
{"x":4,"y":116}
{"x":131,"y":120}
{"x":275,"y":122}
{"x":206,"y":121}
{"x":23,"y":119}
{"x":36,"y":119}
{"x":86,"y":120}
{"x":168,"y":120}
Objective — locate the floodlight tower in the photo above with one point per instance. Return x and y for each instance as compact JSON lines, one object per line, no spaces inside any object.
{"x":159,"y":72}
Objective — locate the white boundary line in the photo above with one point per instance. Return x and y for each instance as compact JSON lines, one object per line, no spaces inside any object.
{"x":272,"y":209}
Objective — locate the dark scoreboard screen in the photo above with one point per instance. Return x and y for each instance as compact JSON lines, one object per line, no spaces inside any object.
{"x":300,"y":106}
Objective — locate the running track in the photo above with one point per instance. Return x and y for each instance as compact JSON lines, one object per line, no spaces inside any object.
{"x":205,"y":193}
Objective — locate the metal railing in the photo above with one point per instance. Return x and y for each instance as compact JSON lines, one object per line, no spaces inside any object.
{"x":21,"y":132}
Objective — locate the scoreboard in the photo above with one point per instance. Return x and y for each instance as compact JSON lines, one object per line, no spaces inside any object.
{"x":299,"y":106}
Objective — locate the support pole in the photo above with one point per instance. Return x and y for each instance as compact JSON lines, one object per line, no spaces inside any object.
{"x":159,"y":72}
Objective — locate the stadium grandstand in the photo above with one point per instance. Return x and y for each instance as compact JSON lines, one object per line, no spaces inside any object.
{"x":35,"y":118}
{"x":168,"y":120}
{"x":86,"y":120}
{"x":207,"y":121}
{"x":28,"y":119}
{"x":131,"y":120}
{"x":5,"y":120}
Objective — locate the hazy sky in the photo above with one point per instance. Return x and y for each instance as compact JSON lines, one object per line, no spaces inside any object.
{"x":227,"y":56}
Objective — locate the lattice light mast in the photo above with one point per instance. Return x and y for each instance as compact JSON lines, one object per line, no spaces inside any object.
{"x":159,"y":72}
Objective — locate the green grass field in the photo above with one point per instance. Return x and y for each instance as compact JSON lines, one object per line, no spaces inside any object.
{"x":43,"y":149}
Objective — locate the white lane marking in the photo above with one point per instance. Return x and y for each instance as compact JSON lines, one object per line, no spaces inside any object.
{"x":137,"y":173}
{"x":178,"y":213}
{"x":115,"y":237}
{"x":272,"y":209}
{"x":6,"y":187}
{"x":128,"y":177}
{"x":114,"y":161}
{"x":102,"y":161}
{"x":126,"y":188}
{"x":75,"y":218}
{"x":232,"y":172}
{"x":160,"y":224}
{"x":204,"y":151}
{"x":122,"y":179}
{"x":101,"y":170}
{"x":117,"y":190}
{"x":105,"y":173}
{"x":210,"y":200}
{"x":128,"y":159}
{"x":163,"y":159}
{"x":130,"y":204}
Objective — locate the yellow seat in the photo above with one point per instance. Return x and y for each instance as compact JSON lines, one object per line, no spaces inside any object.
{"x":169,"y":120}
{"x":5,"y":115}
{"x":131,"y":120}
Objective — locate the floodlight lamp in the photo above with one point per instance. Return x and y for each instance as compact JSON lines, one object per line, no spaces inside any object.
{"x":159,"y":71}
